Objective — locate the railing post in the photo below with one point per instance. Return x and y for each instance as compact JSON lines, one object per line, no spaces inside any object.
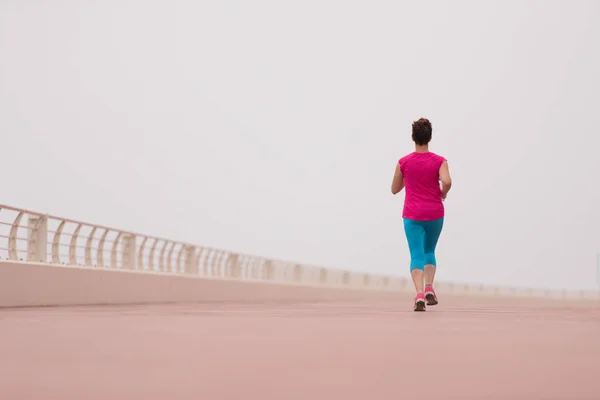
{"x":37,"y":238}
{"x":191,"y":266}
{"x":209,"y":258}
{"x":88,"y":247}
{"x":169,"y":267}
{"x":235,"y":268}
{"x":269,"y":271}
{"x":346,"y":278}
{"x":297,"y":273}
{"x":215,"y":268}
{"x":323,"y":276}
{"x":254,"y":268}
{"x":129,"y":253}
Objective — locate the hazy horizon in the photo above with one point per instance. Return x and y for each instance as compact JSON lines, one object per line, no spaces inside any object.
{"x":272,"y":128}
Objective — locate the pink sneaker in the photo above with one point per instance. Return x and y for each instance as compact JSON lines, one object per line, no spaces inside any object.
{"x":430,"y":296}
{"x":420,"y":302}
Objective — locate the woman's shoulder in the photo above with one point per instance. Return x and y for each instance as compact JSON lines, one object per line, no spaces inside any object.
{"x":406,"y":157}
{"x":437,"y":157}
{"x":432,"y":156}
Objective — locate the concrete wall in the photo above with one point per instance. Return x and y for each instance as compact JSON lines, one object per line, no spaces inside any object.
{"x":29,"y":284}
{"x":24,"y":284}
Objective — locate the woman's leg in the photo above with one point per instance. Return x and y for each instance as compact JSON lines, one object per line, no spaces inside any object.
{"x":415,"y":236}
{"x":433,"y":229}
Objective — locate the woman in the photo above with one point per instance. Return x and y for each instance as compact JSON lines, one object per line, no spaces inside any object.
{"x":420,"y":173}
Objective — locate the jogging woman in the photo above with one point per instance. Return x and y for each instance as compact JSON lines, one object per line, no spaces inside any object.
{"x":420,"y":172}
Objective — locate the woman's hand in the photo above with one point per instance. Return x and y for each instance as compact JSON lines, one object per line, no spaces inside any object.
{"x":445,"y":179}
{"x":398,"y":180}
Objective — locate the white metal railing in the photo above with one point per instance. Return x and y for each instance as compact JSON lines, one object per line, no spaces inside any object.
{"x":35,"y":237}
{"x":31,"y":236}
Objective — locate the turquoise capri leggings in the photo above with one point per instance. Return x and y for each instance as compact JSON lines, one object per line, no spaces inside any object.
{"x":422,"y":237}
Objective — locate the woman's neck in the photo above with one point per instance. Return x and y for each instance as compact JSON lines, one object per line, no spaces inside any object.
{"x":422,"y":149}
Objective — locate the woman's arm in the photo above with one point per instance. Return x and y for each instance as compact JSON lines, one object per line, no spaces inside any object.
{"x":445,"y":178}
{"x":398,"y":181}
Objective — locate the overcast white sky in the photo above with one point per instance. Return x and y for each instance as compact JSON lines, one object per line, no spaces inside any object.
{"x":273,"y":127}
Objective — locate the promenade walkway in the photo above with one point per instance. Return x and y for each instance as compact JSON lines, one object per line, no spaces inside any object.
{"x":492,"y":348}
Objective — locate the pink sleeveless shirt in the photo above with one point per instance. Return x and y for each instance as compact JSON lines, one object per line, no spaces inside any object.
{"x":423,"y":199}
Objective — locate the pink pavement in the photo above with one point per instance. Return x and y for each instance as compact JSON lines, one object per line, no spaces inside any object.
{"x":372,"y":349}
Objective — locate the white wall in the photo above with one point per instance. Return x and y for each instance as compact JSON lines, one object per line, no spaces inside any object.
{"x":24,"y":284}
{"x":273,"y":127}
{"x":29,"y":284}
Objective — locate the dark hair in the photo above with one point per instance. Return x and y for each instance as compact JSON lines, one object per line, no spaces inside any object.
{"x":421,"y":131}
